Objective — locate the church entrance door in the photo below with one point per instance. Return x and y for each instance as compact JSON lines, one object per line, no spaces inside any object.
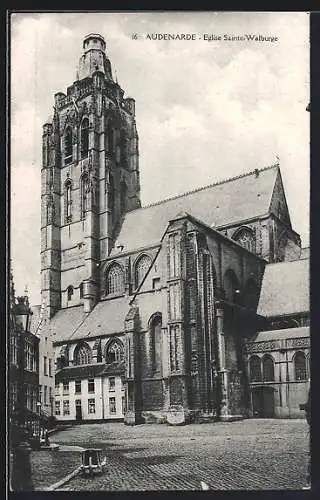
{"x":263,"y":402}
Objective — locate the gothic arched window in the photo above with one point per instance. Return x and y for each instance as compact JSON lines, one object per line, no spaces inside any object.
{"x":70,"y":292}
{"x":141,"y":268}
{"x":82,"y":354}
{"x":67,"y":201}
{"x":245,"y":238}
{"x":68,"y":145}
{"x":122,"y":145}
{"x":300,"y":366}
{"x":84,"y":138}
{"x":268,"y":368}
{"x":255,"y":369}
{"x":84,"y":196}
{"x":115,"y":279}
{"x":123,"y":196}
{"x":155,"y":327}
{"x":231,"y":287}
{"x":114,"y":351}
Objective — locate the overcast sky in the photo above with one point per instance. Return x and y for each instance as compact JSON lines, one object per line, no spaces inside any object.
{"x":205,"y":111}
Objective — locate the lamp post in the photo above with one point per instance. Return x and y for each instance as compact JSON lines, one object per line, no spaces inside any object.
{"x":21,"y":467}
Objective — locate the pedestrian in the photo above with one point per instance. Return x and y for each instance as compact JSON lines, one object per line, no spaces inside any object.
{"x":308,"y":418}
{"x":47,"y":442}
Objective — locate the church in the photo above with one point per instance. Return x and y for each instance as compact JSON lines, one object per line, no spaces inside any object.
{"x":192,"y":309}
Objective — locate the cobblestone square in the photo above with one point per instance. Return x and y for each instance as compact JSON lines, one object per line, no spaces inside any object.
{"x":250,"y":454}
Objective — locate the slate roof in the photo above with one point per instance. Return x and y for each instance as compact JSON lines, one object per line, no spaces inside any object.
{"x":223,"y":203}
{"x":106,"y":318}
{"x":285,"y":289}
{"x":287,"y":333}
{"x":89,"y":371}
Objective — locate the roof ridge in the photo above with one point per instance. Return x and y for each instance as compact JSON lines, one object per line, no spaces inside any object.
{"x":224,"y":181}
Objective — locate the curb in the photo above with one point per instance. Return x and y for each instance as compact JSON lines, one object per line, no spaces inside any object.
{"x":64,"y":480}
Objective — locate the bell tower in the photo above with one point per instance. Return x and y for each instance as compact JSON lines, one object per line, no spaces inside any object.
{"x":90,"y":179}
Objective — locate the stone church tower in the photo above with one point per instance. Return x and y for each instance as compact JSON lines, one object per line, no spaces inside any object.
{"x":89,"y":179}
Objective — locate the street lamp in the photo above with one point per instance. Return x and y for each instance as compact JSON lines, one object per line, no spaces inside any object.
{"x":21,"y":467}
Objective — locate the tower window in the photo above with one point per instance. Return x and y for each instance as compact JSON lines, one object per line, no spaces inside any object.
{"x":70,"y":292}
{"x":84,"y":196}
{"x":68,"y":201}
{"x":68,"y":145}
{"x":111,"y":194}
{"x":84,"y":138}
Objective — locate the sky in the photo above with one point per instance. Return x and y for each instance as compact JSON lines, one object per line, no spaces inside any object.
{"x":205,"y":110}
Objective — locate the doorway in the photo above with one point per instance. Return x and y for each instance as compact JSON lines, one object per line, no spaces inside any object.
{"x":263,"y":402}
{"x":78,"y":410}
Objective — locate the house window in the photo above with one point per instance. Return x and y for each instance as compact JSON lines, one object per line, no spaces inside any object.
{"x":91,"y":385}
{"x":14,"y":393}
{"x":142,"y":266}
{"x":81,"y":290}
{"x":84,"y":138}
{"x":91,"y":406}
{"x":70,"y":292}
{"x":114,"y":352}
{"x":112,"y":406}
{"x":40,"y":393}
{"x":300,"y":366}
{"x":45,"y":365}
{"x":14,"y":350}
{"x":50,"y":367}
{"x":268,"y":369}
{"x":66,"y":407}
{"x":50,"y":396}
{"x":115,"y":279}
{"x":78,"y":386}
{"x":57,"y":405}
{"x":112,"y":384}
{"x":255,"y":369}
{"x":65,"y":388}
{"x":45,"y":395}
{"x":68,"y":146}
{"x":57,"y":389}
{"x":29,"y":356}
{"x":83,"y":354}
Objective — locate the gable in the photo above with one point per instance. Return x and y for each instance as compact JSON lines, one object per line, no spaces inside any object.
{"x":218,"y":205}
{"x":278,"y":204}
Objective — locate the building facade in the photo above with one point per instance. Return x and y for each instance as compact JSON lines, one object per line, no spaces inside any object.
{"x":23,"y":369}
{"x":148,"y":308}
